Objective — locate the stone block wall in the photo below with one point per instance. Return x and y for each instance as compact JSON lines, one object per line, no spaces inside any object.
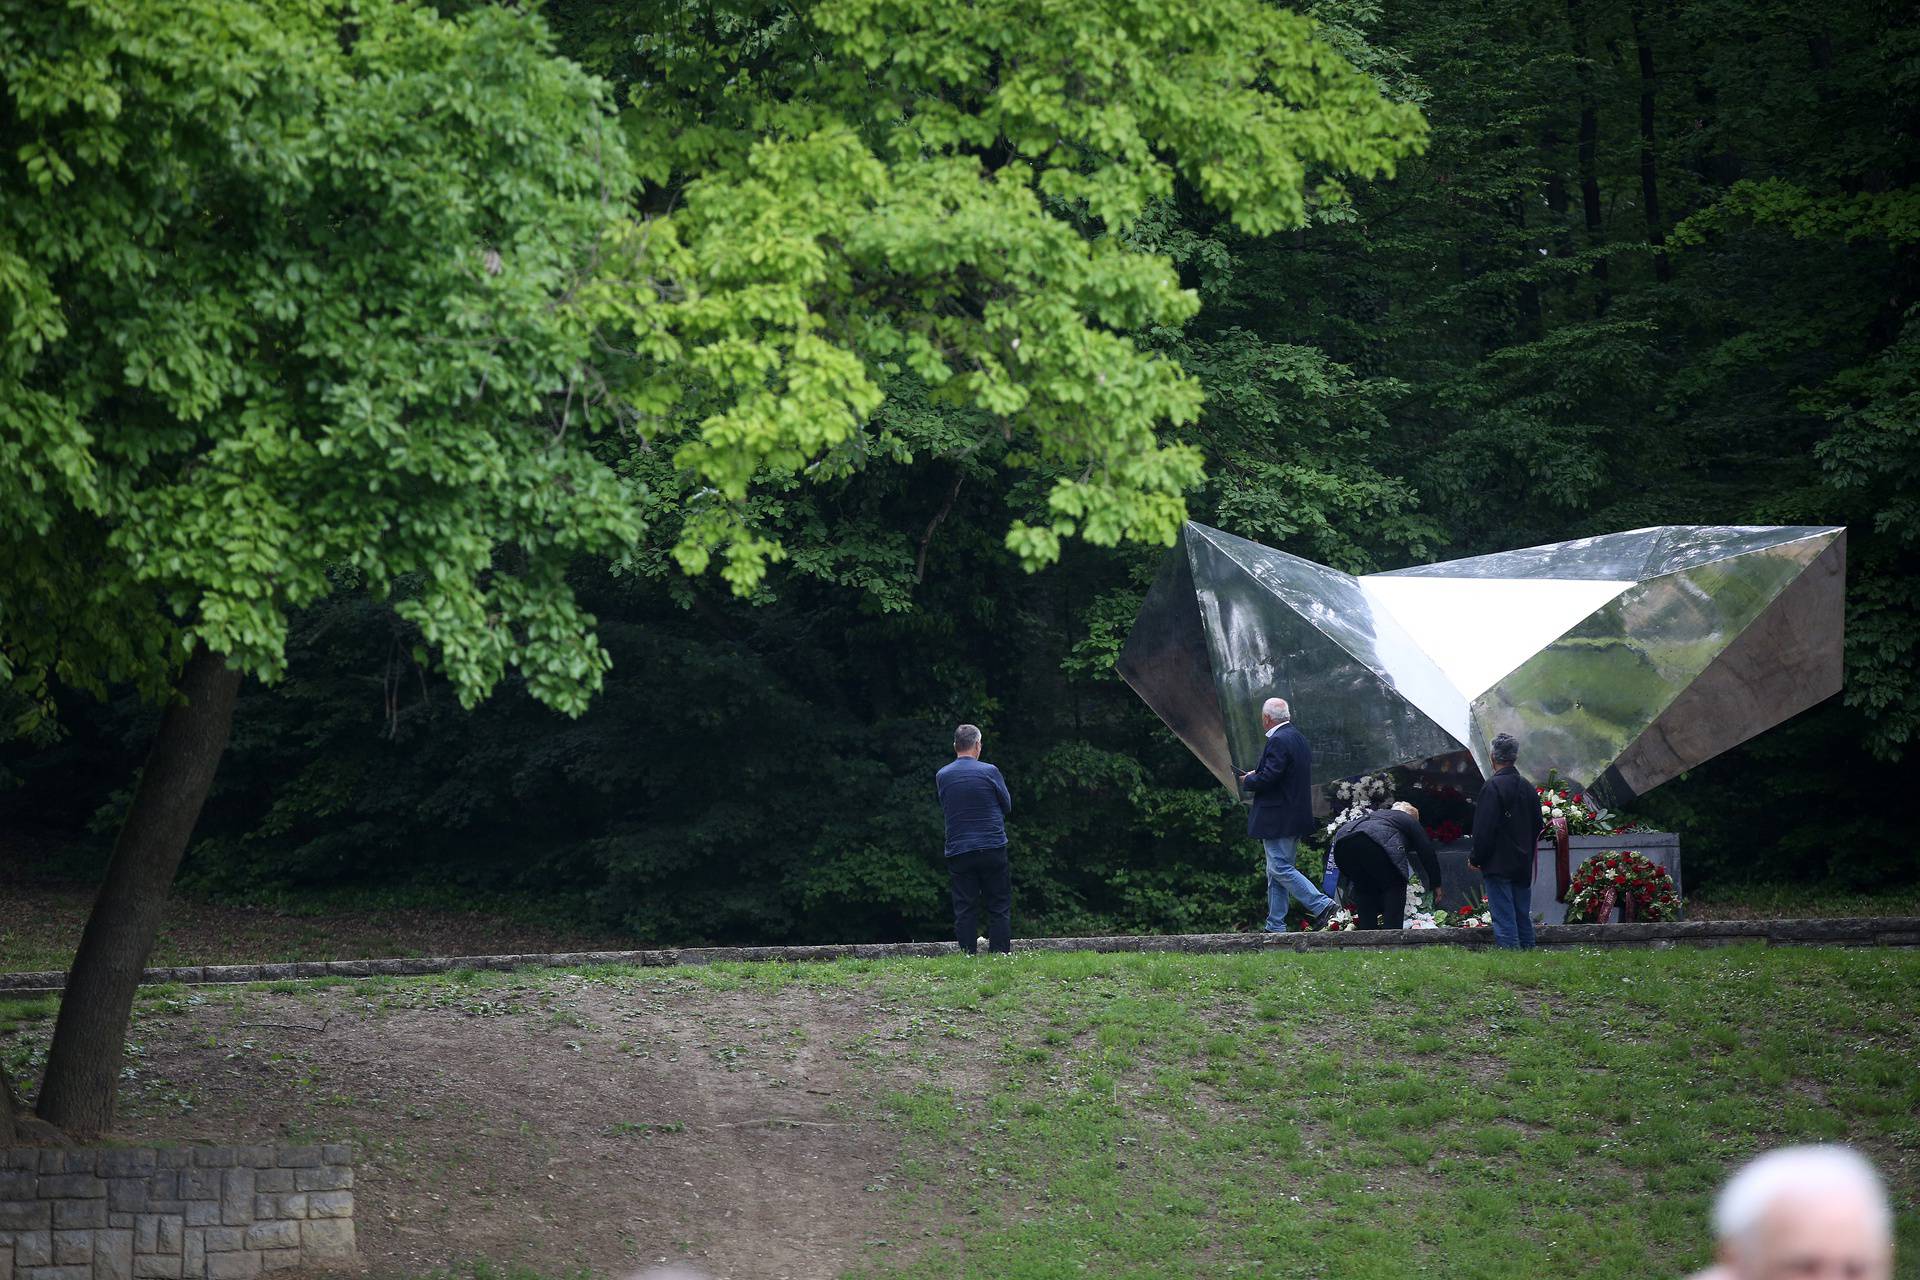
{"x":182,"y":1213}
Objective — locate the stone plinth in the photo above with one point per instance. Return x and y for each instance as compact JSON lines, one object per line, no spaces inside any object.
{"x":1461,"y":884}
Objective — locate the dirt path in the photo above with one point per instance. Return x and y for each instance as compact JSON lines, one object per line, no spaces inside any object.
{"x":561,"y":1124}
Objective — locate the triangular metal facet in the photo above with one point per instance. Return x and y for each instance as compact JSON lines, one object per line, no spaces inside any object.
{"x":1166,"y":662}
{"x":1786,"y":660}
{"x":1477,"y":630}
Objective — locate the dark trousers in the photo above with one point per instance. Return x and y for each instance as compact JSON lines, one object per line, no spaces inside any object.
{"x":982,"y":879}
{"x":1379,"y":890}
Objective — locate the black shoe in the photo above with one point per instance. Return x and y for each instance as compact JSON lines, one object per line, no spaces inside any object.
{"x":1320,"y":921}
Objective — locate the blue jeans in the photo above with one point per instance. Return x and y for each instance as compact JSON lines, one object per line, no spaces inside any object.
{"x":1284,"y":879}
{"x":1510,"y":903}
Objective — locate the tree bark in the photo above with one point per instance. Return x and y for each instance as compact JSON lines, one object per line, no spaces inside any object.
{"x":1589,"y":150}
{"x":1649,"y":154}
{"x":83,"y":1063}
{"x":9,"y":1111}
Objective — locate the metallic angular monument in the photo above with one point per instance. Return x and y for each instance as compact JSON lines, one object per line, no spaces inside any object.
{"x":1620,"y":660}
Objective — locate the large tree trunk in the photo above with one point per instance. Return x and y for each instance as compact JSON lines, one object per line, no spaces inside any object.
{"x":83,"y":1063}
{"x":1589,"y":152}
{"x":9,"y":1109}
{"x":1649,"y":154}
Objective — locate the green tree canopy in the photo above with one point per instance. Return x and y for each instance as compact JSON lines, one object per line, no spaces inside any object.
{"x":872,"y":197}
{"x":299,"y":296}
{"x":287,"y":305}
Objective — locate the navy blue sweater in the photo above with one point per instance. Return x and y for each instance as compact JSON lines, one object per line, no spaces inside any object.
{"x":974,"y":797}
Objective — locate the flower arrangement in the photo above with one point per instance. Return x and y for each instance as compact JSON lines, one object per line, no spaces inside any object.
{"x":1418,"y":913}
{"x":1358,"y":797}
{"x":1584,"y":817}
{"x":1416,"y":916}
{"x":1445,"y":832}
{"x":1478,"y":916}
{"x":1625,"y":878}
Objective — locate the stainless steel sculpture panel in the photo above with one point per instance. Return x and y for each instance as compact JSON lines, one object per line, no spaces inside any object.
{"x":1620,"y":661}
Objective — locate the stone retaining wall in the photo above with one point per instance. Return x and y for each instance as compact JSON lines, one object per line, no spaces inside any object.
{"x":1857,"y":931}
{"x":199,"y":1213}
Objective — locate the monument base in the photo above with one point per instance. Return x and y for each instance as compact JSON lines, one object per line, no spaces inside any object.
{"x":1461,"y":885}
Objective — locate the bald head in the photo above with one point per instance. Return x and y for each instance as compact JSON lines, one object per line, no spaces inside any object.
{"x":1805,"y":1213}
{"x":1274,"y":711}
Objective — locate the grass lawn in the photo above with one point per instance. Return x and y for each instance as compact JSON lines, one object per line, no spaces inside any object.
{"x":1340,"y":1115}
{"x":1387,"y":1116}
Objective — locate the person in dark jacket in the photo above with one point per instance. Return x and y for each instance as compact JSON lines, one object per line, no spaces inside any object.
{"x":1282,"y":789}
{"x":1506,"y":834}
{"x":1376,"y":852}
{"x":975,"y":800}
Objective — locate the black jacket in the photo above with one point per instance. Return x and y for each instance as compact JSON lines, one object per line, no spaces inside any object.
{"x":1400,"y":838}
{"x":1506,"y":826}
{"x":1282,"y":787}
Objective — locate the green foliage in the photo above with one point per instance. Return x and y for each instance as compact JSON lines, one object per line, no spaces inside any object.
{"x":886,"y":196}
{"x":316,"y":298}
{"x":287,"y":295}
{"x":1870,"y":456}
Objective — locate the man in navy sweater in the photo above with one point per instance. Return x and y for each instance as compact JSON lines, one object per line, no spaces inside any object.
{"x":974,"y":798}
{"x":1282,"y":788}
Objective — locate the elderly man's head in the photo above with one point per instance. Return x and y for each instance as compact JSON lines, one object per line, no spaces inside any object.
{"x":1274,"y":711}
{"x":1805,"y":1213}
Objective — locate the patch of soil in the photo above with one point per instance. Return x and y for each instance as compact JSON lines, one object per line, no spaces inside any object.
{"x":560,"y":1124}
{"x":40,"y":927}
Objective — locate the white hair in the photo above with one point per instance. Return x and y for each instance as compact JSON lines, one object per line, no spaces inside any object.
{"x":1276,"y":709}
{"x":1796,"y":1171}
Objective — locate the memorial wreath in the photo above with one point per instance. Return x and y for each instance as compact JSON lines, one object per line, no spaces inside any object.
{"x":1584,"y":817}
{"x":1629,"y":880}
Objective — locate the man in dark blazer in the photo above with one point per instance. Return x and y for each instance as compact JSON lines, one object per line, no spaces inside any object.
{"x":1282,"y":788}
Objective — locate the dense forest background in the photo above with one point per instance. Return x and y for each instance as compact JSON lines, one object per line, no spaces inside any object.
{"x":1659,"y":264}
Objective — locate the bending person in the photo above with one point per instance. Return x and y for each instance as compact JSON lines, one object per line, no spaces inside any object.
{"x":1376,"y":853}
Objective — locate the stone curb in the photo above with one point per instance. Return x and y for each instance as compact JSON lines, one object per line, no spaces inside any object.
{"x":1856,"y":931}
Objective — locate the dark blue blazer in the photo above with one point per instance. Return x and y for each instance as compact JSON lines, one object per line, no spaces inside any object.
{"x":1282,"y":787}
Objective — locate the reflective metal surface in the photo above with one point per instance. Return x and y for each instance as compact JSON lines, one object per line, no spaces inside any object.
{"x":1619,"y":661}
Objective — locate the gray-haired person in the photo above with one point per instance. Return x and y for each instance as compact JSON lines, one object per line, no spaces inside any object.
{"x":1804,"y":1213}
{"x":1506,"y":836}
{"x":975,"y":800}
{"x":1282,"y":789}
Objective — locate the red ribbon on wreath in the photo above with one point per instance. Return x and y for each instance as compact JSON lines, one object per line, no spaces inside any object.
{"x":1556,"y":830}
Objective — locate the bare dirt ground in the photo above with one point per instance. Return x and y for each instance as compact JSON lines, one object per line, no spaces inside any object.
{"x":40,"y":927}
{"x":561,"y":1123}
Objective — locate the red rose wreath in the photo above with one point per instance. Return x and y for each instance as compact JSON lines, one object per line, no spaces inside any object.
{"x":1625,"y":879}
